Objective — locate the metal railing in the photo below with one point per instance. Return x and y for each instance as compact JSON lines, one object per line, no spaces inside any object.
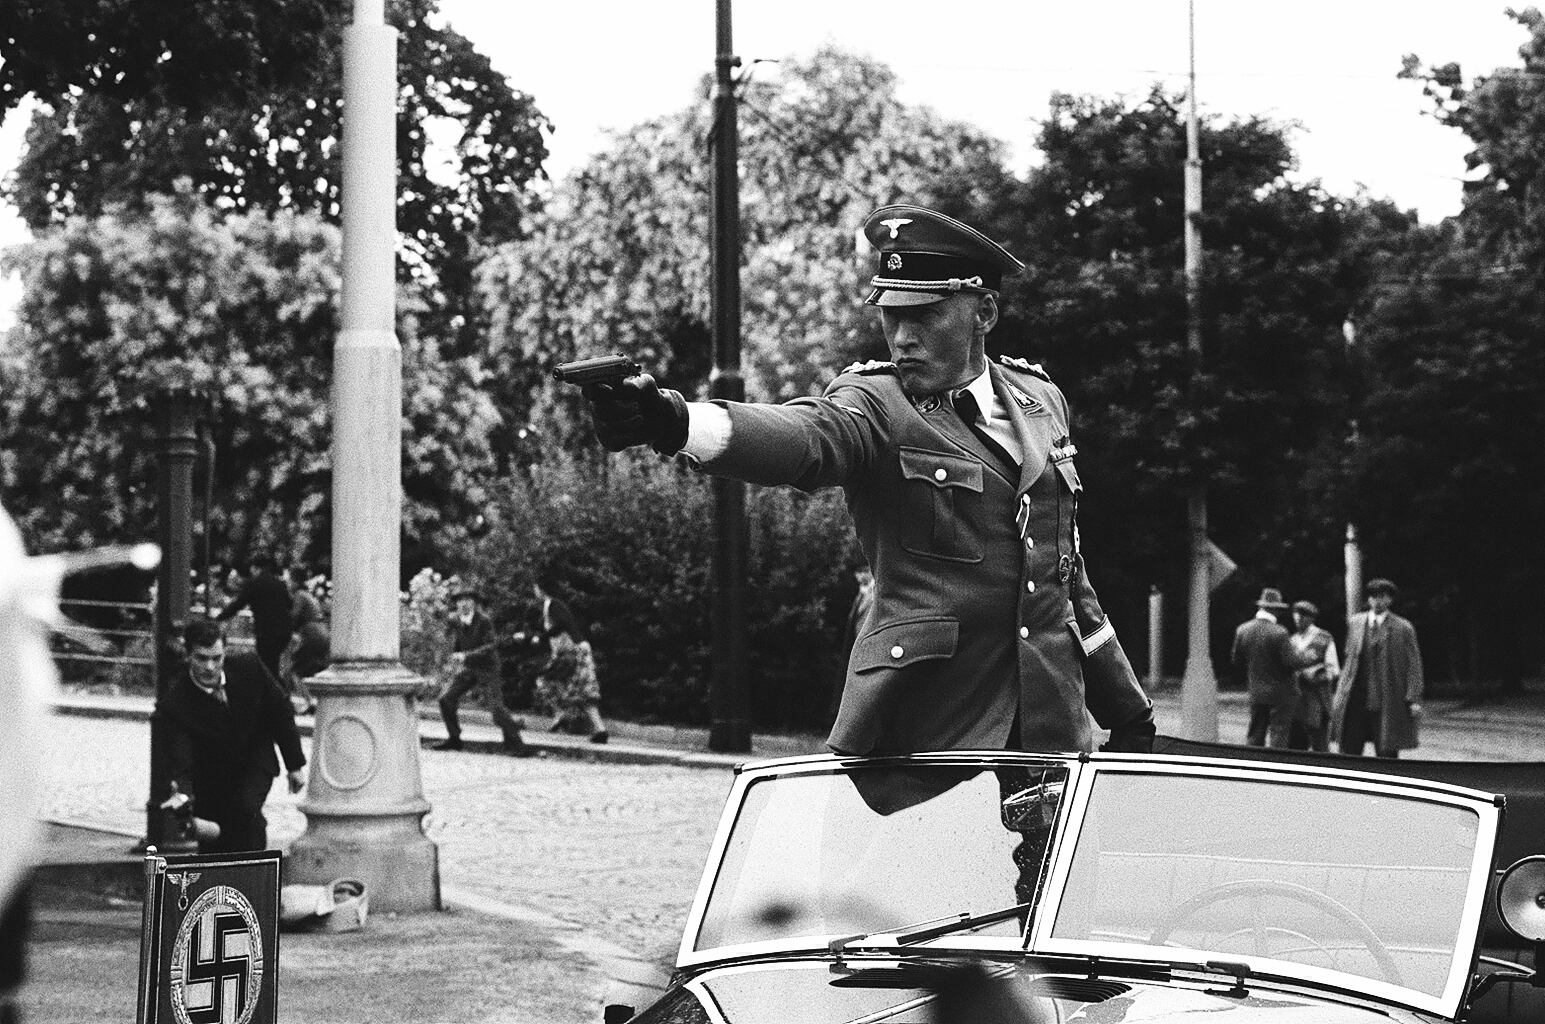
{"x":77,"y":642}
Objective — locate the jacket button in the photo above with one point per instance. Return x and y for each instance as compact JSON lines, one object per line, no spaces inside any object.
{"x":939,"y":474}
{"x":1030,"y":586}
{"x":1024,"y":632}
{"x":896,"y":651}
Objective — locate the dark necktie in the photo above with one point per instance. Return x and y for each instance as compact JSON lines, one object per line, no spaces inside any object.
{"x":967,"y":409}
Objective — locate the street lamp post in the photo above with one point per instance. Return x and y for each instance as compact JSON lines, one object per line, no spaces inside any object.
{"x":364,"y":800}
{"x":177,"y":445}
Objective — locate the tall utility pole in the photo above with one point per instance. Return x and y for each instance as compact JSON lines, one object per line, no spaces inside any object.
{"x":364,"y":797}
{"x":1199,"y":686}
{"x":731,"y":726}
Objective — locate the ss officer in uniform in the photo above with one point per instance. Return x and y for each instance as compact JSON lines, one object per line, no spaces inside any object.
{"x":959,"y":476}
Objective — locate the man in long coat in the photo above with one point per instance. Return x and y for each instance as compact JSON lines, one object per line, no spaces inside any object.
{"x":959,"y":477}
{"x":1378,"y":697}
{"x":223,"y":718}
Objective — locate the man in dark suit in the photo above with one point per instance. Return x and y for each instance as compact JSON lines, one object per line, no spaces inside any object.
{"x":958,"y":473}
{"x":1381,"y":683}
{"x":269,"y":598}
{"x":1264,"y":651}
{"x":223,"y":717}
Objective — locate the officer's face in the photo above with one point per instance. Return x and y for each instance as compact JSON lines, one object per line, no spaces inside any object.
{"x":940,"y":345}
{"x":1379,"y":602}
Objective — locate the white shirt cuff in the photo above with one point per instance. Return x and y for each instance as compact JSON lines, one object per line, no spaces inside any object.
{"x":708,"y":431}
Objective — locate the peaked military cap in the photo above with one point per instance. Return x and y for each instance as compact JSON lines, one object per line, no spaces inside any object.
{"x":925,"y":256}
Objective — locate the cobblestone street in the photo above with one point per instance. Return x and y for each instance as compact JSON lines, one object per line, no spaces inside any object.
{"x":615,"y":848}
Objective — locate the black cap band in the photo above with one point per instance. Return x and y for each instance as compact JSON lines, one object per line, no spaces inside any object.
{"x":933,"y":271}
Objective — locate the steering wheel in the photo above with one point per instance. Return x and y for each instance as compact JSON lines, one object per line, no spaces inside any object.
{"x":1257,"y":887}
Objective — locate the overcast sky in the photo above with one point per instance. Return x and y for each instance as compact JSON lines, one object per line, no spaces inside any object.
{"x":1327,"y":65}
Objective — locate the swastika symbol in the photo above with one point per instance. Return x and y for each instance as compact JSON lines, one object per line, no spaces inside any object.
{"x":218,"y":968}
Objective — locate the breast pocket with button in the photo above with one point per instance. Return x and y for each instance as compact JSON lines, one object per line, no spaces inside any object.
{"x":942,"y":497}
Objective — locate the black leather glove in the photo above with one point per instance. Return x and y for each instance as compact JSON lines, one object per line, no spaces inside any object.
{"x":638,"y":411}
{"x":1134,"y":737}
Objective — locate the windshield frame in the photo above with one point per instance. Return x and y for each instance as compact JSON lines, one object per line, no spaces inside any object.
{"x":1075,"y":810}
{"x":827,"y":764}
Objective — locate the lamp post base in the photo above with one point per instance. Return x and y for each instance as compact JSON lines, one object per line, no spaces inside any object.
{"x":364,"y":801}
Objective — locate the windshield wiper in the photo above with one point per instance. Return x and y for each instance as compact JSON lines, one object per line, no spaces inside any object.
{"x":910,"y":934}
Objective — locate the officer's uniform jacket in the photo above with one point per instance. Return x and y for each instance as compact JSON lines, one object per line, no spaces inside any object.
{"x":979,"y":583}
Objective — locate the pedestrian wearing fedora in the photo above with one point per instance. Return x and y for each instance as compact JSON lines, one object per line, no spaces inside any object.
{"x":475,"y":663}
{"x":959,"y":476}
{"x":1264,"y":652}
{"x":1316,"y":680}
{"x":1379,"y":693}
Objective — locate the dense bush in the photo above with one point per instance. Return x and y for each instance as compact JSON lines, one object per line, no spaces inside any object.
{"x":630,"y":544}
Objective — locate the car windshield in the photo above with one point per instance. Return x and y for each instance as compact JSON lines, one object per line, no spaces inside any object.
{"x":881,"y":848}
{"x":1340,"y":877}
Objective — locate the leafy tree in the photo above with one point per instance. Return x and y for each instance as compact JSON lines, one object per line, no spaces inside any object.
{"x":1504,"y":115}
{"x":243,"y":310}
{"x":1447,"y":473}
{"x":192,"y":58}
{"x":622,"y":261}
{"x":1263,"y":411}
{"x":244,"y":99}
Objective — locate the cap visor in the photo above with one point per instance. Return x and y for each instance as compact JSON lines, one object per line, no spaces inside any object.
{"x":894,"y":297}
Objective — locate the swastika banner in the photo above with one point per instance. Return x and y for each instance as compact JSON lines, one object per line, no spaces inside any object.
{"x":210,"y":949}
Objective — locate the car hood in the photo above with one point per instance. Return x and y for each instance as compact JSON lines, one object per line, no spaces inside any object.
{"x":819,"y":992}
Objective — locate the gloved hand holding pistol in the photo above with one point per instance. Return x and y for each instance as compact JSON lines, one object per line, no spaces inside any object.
{"x":637,"y":411}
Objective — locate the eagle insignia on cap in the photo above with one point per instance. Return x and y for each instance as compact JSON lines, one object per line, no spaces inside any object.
{"x":895,"y":224}
{"x":893,"y":262}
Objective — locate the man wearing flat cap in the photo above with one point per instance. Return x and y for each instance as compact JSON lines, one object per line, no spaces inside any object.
{"x":1378,"y":697}
{"x":985,"y":631}
{"x":1316,"y":680}
{"x":474,"y":663}
{"x":1264,"y":651}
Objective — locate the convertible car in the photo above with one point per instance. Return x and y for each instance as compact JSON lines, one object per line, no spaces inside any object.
{"x":1005,"y":887}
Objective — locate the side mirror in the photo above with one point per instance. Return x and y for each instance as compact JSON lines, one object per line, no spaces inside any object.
{"x":617,"y":1013}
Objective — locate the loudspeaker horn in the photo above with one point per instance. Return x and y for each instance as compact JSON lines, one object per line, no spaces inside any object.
{"x":1521,"y":898}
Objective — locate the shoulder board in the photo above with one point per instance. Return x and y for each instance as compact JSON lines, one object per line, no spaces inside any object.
{"x":871,"y":366}
{"x":1026,"y":366}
